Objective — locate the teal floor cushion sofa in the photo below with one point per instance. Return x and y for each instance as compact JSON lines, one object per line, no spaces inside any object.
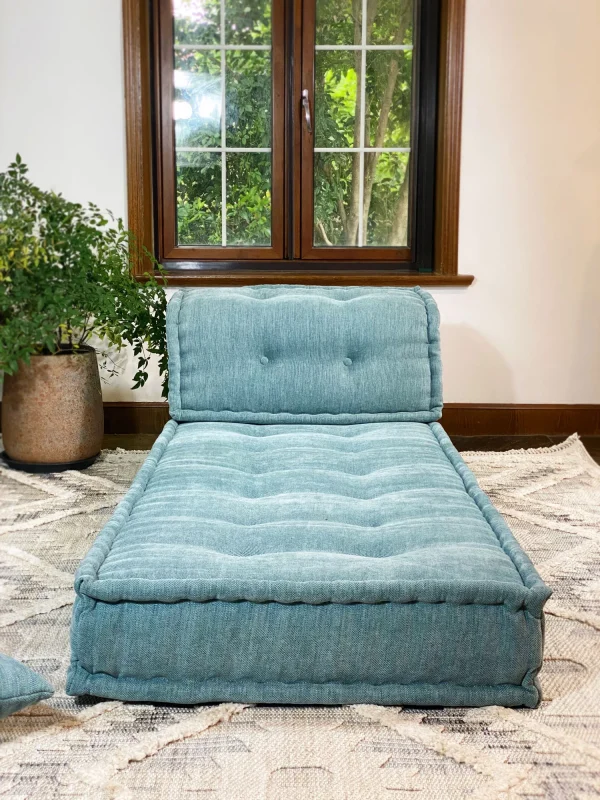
{"x":303,"y":530}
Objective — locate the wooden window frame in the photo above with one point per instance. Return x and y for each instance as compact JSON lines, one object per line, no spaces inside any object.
{"x":225,"y":269}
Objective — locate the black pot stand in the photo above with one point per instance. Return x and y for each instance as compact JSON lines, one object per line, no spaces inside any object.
{"x":65,"y":465}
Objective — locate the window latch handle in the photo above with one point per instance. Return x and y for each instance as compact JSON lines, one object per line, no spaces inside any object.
{"x":306,"y":107}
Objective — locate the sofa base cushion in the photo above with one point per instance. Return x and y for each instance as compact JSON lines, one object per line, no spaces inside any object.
{"x":192,"y":692}
{"x":389,"y":653}
{"x":307,"y":565}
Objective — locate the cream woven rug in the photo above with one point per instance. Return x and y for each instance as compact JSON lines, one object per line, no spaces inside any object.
{"x":70,"y":749}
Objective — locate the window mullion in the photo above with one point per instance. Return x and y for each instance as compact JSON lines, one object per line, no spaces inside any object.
{"x":363,"y":97}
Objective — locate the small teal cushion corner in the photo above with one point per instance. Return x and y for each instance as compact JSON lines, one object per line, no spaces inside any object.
{"x":335,"y":355}
{"x":20,"y":686}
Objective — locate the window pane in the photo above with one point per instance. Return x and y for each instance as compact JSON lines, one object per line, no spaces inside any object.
{"x":389,"y":22}
{"x":198,"y":198}
{"x":222,"y":114}
{"x":386,"y":196}
{"x":197,"y":106}
{"x":249,"y":199}
{"x":336,"y":98}
{"x":336,"y":199}
{"x":197,"y":21}
{"x":338,"y":22}
{"x":248,"y":22}
{"x":388,"y":114}
{"x":363,"y":100}
{"x":248,"y":98}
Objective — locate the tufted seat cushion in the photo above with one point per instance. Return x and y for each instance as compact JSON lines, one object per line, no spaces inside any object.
{"x":307,"y":564}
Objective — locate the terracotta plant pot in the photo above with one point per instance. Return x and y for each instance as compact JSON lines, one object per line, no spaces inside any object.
{"x":52,"y":416}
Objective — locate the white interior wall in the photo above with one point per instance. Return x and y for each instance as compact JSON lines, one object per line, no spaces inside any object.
{"x":528,"y":329}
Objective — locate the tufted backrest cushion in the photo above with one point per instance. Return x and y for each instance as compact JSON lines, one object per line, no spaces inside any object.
{"x":298,"y":354}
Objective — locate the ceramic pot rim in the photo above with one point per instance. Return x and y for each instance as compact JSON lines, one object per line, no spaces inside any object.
{"x":82,"y":350}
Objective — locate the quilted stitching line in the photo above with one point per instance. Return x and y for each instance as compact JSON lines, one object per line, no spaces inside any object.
{"x":42,"y":695}
{"x":208,"y":681}
{"x":539,"y":592}
{"x":521,"y":608}
{"x":417,"y":290}
{"x":84,"y":606}
{"x":178,"y":341}
{"x":101,"y":547}
{"x":173,"y":346}
{"x":433,"y":357}
{"x":396,"y":415}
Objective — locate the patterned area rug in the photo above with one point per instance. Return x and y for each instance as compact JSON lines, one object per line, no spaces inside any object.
{"x":67,"y":748}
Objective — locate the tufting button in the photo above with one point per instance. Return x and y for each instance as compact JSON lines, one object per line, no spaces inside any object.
{"x":264,"y":360}
{"x":347,"y":361}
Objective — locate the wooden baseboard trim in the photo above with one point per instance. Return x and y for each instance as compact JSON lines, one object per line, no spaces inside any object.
{"x":495,"y":419}
{"x":135,"y":417}
{"x":459,"y":419}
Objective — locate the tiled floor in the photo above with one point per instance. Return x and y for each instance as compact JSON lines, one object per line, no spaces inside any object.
{"x":144,"y":441}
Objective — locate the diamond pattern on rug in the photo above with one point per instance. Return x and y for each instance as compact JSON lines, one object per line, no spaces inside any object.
{"x":29,"y":586}
{"x":86,"y":748}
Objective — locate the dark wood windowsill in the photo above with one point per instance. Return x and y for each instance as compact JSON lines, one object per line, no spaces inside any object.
{"x":245,"y":277}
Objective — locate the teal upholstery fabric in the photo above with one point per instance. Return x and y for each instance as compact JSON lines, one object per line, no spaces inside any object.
{"x":20,"y":686}
{"x":285,"y":354}
{"x":307,"y":564}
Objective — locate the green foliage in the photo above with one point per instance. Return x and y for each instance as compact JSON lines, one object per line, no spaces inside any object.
{"x":65,"y":274}
{"x":337,"y":108}
{"x":388,"y":116}
{"x":248,"y":118}
{"x":337,"y":21}
{"x":336,"y":84}
{"x":248,"y":98}
{"x":249,"y":198}
{"x":199,"y":198}
{"x":248,"y":123}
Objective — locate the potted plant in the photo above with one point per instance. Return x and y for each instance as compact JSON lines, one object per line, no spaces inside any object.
{"x":65,"y":279}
